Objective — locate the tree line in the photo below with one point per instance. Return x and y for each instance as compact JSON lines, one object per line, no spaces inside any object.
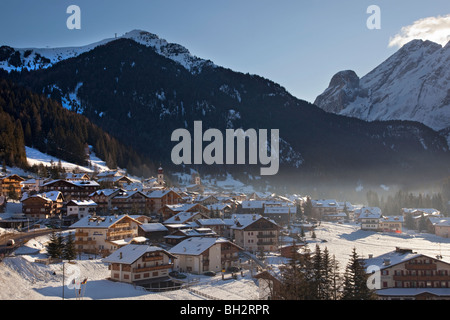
{"x":393,"y":204}
{"x":61,"y":248}
{"x":33,"y":120}
{"x":316,"y":276}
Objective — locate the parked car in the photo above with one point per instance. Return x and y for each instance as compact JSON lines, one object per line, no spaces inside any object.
{"x":10,"y":243}
{"x":209,"y":273}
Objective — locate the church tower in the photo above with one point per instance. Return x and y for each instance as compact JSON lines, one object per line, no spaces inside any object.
{"x":160,"y":179}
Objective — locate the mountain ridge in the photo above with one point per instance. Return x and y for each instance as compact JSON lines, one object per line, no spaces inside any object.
{"x":412,"y":84}
{"x":140,"y":96}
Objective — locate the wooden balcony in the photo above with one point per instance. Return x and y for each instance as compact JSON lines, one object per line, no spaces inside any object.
{"x":266,"y":235}
{"x":420,"y":278}
{"x":85,"y":242}
{"x":81,"y":234}
{"x":153,"y":268}
{"x":420,"y":266}
{"x":154,"y":258}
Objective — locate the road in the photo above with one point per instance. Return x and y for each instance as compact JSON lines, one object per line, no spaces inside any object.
{"x":20,"y":238}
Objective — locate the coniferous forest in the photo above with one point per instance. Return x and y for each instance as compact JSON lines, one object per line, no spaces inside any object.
{"x":30,"y":119}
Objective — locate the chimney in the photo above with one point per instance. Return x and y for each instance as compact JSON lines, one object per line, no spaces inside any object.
{"x":120,"y":255}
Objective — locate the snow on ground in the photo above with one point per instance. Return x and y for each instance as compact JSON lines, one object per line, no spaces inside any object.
{"x":340,"y":239}
{"x":34,"y":156}
{"x":22,"y":278}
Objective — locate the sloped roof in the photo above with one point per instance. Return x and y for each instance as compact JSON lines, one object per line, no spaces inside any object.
{"x":196,"y":245}
{"x":131,"y":252}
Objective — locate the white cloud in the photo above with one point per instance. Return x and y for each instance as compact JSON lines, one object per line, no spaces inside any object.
{"x":436,"y":29}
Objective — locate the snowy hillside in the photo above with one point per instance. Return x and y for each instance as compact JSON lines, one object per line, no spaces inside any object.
{"x":35,"y":157}
{"x":412,"y":84}
{"x":42,"y":58}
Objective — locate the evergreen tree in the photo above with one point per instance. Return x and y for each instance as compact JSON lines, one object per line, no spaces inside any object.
{"x":336,"y":279}
{"x":54,"y":249}
{"x":69,"y":252}
{"x":355,"y":280}
{"x":308,"y":208}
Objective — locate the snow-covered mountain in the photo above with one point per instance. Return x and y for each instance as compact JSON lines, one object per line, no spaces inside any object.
{"x":412,"y":84}
{"x":42,"y":58}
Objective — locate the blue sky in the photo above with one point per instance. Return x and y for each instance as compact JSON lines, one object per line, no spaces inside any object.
{"x":298,"y":44}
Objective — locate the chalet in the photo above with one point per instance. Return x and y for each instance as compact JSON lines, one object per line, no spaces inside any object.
{"x":72,"y":190}
{"x":406,"y":275}
{"x":157,"y":199}
{"x":43,"y":205}
{"x":206,"y":200}
{"x":153,"y":231}
{"x":115,"y":181}
{"x":325,"y":207}
{"x":140,"y":264}
{"x":184,"y":233}
{"x":252,"y":206}
{"x":31,"y":185}
{"x":129,"y":202}
{"x":255,"y":233}
{"x":185,"y":217}
{"x":369,"y":217}
{"x":10,"y":186}
{"x":269,"y":285}
{"x":198,"y":255}
{"x":219,"y":226}
{"x":219,"y":210}
{"x":290,"y":250}
{"x":80,"y":208}
{"x":103,"y":199}
{"x":280,"y":214}
{"x":77,"y":176}
{"x":391,"y":224}
{"x":169,"y":210}
{"x":439,"y":226}
{"x":93,"y":234}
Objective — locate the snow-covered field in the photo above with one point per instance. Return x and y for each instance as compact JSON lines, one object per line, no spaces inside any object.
{"x":22,"y":278}
{"x":340,"y":239}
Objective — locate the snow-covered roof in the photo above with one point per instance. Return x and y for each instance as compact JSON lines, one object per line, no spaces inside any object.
{"x":51,"y":195}
{"x":325,"y":203}
{"x":106,"y":192}
{"x":158,"y":193}
{"x":370,"y":212}
{"x":152,"y":227}
{"x":430,"y":211}
{"x":81,"y":203}
{"x":411,"y":292}
{"x":123,"y":242}
{"x":79,"y":183}
{"x":392,"y":219}
{"x":211,"y":222}
{"x":183,"y":217}
{"x":131,"y":252}
{"x":253,"y":204}
{"x":437,"y":221}
{"x":100,"y":222}
{"x":280,"y":210}
{"x":196,"y":245}
{"x":391,"y":258}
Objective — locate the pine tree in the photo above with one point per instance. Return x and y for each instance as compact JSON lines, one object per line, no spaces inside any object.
{"x":355,"y":280}
{"x":336,"y":279}
{"x":54,"y":249}
{"x":317,"y":273}
{"x":69,"y":252}
{"x":327,"y":279}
